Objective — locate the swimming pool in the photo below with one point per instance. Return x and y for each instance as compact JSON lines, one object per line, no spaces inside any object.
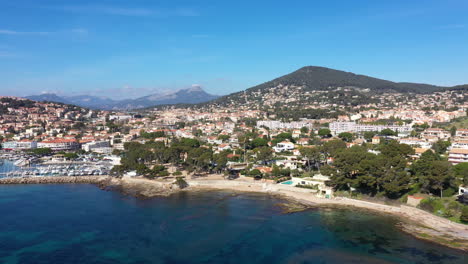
{"x":288,"y":182}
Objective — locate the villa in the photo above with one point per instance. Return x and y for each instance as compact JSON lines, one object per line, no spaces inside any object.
{"x":317,"y":181}
{"x":284,"y":146}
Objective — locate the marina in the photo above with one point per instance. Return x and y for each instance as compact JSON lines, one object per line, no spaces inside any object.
{"x":13,"y":167}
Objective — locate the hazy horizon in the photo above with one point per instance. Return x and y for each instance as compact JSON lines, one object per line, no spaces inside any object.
{"x":122,"y":49}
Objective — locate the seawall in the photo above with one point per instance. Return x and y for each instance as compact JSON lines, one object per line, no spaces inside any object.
{"x":56,"y":179}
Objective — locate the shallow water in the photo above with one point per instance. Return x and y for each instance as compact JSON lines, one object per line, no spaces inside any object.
{"x":83,"y":224}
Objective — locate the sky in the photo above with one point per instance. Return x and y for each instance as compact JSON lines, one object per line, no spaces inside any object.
{"x":125,"y":49}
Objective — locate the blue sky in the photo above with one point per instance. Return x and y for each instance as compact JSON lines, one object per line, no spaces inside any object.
{"x":130,"y":48}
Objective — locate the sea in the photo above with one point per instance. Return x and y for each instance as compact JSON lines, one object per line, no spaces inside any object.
{"x":80,"y":223}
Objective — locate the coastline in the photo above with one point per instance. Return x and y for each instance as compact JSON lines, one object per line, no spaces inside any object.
{"x":414,"y":221}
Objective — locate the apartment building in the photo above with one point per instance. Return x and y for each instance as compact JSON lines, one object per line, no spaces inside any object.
{"x":435,"y":132}
{"x":59,"y":144}
{"x":340,"y":127}
{"x":458,"y":156}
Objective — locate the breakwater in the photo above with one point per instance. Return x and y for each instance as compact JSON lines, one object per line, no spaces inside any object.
{"x":55,"y":179}
{"x":136,"y":187}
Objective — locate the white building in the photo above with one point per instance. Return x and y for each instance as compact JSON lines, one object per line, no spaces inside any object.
{"x":461,"y":144}
{"x":9,"y":145}
{"x":59,"y":144}
{"x":273,"y":124}
{"x":318,"y":180}
{"x":119,"y":117}
{"x":462,"y":133}
{"x":283,"y":146}
{"x":26,"y":144}
{"x":340,"y":127}
{"x":458,"y":156}
{"x":97,"y":146}
{"x":415,"y":142}
{"x":435,"y":132}
{"x":19,"y":145}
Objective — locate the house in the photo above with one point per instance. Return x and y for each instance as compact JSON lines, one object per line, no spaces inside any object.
{"x":296,"y":133}
{"x":283,"y":146}
{"x":418,"y":152}
{"x":264,"y":170}
{"x":290,"y":163}
{"x":232,"y":156}
{"x":223,"y":147}
{"x":214,"y":140}
{"x":359,"y":141}
{"x":376,"y":140}
{"x":303,"y":141}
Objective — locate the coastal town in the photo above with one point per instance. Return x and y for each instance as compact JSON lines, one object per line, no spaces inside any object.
{"x":233,"y":132}
{"x":338,"y":155}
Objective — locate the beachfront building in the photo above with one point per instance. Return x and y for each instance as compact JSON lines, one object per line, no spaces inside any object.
{"x":19,"y":145}
{"x":26,"y":144}
{"x":316,"y":182}
{"x":9,"y":145}
{"x":458,"y":156}
{"x":60,"y":144}
{"x":98,"y":147}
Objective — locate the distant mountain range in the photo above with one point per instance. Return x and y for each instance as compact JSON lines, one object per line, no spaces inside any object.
{"x":191,"y":95}
{"x":297,"y":86}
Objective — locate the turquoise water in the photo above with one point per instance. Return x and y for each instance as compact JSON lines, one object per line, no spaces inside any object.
{"x":288,"y":182}
{"x":83,"y":224}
